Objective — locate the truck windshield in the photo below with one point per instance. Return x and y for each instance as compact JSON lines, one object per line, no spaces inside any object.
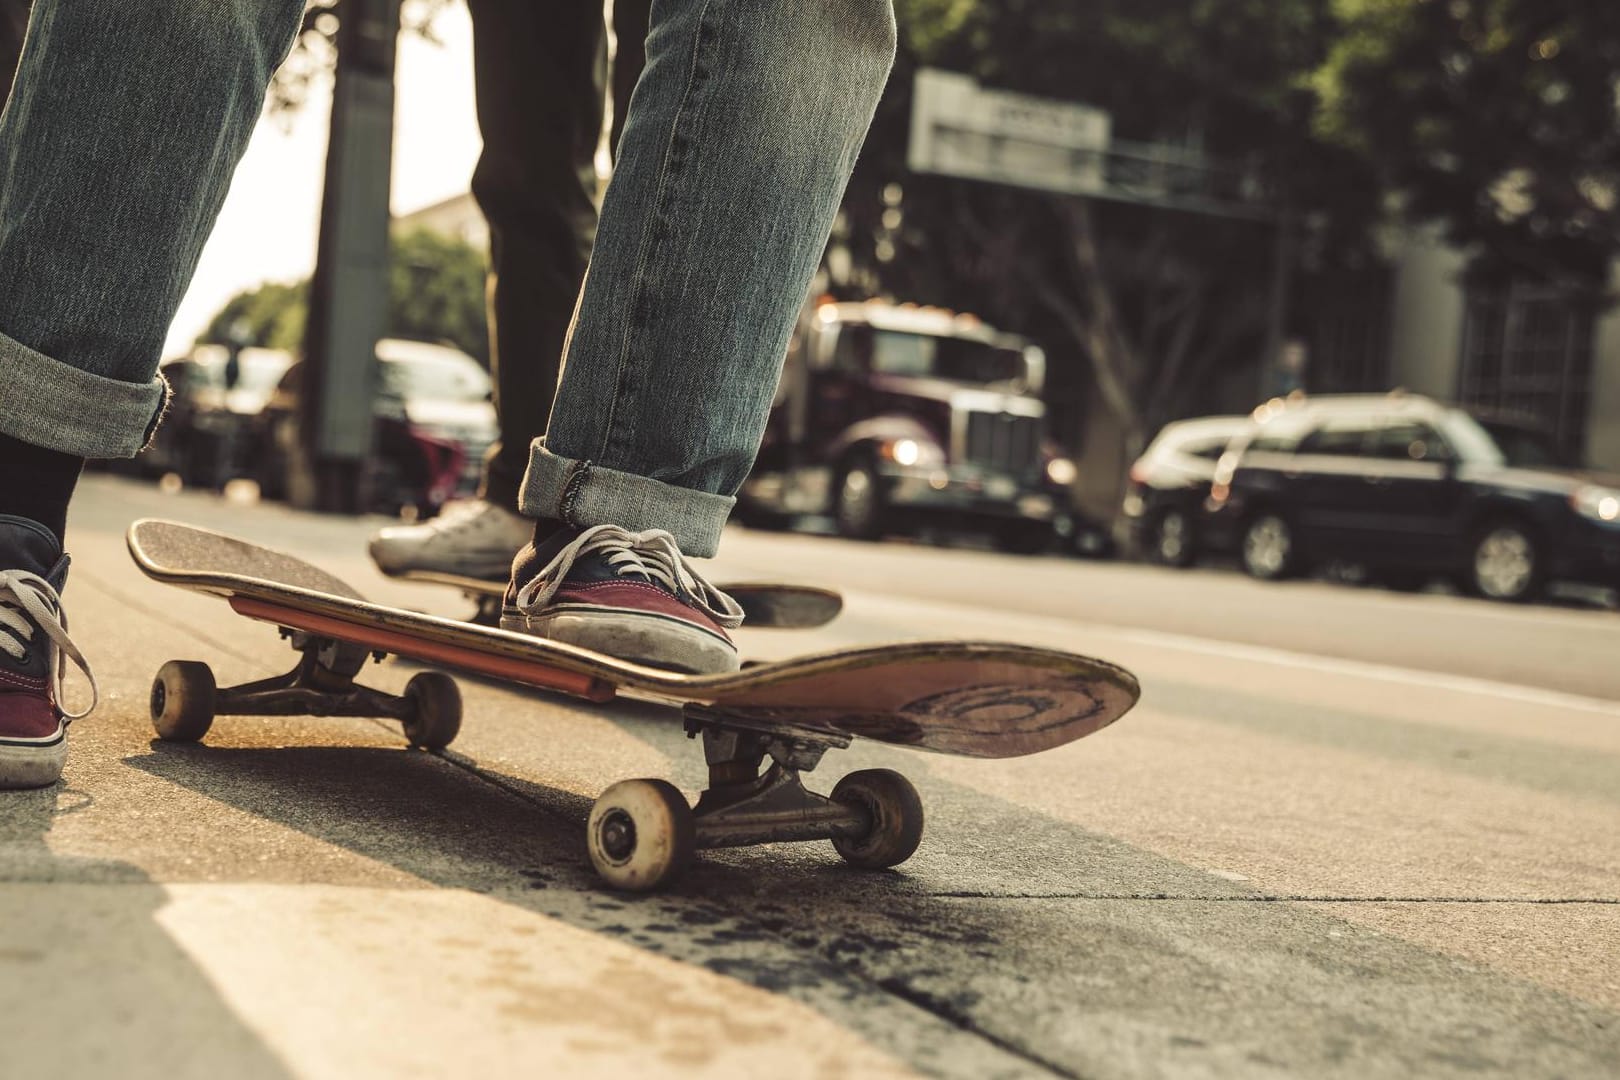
{"x":893,"y":352}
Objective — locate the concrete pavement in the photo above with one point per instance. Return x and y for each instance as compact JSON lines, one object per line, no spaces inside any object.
{"x":1325,"y":844}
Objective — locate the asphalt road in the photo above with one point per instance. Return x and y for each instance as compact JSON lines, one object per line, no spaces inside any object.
{"x":1346,"y":833}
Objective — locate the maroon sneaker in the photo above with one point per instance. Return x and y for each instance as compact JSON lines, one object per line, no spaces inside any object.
{"x":33,"y":727}
{"x":628,"y":595}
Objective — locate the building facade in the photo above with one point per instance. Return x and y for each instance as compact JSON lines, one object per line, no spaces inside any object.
{"x":1511,"y":346}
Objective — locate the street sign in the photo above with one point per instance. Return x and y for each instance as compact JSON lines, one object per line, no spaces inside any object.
{"x":959,"y":128}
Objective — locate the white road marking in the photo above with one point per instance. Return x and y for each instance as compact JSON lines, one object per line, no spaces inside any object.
{"x":927,"y":612}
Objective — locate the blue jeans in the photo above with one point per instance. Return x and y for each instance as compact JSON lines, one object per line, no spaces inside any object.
{"x":128,"y":119}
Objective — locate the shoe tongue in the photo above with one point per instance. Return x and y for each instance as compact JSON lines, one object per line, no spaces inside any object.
{"x":596,"y":567}
{"x":587,"y":569}
{"x":28,"y":545}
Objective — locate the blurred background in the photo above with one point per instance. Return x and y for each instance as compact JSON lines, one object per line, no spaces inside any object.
{"x":1301,"y":286}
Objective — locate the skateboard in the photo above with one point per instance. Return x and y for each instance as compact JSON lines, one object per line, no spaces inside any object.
{"x":761,"y":727}
{"x":765,"y":606}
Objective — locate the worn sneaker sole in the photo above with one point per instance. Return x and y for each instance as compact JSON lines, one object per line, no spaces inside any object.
{"x":636,"y":636}
{"x":32,"y":763}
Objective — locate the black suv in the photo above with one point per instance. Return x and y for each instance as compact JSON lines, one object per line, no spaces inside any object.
{"x":1411,"y":489}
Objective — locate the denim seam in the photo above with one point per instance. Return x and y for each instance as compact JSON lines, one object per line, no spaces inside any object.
{"x":657,"y":229}
{"x":577,"y":475}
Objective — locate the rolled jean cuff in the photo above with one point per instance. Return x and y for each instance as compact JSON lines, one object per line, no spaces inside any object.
{"x":56,"y":406}
{"x":582,"y":494}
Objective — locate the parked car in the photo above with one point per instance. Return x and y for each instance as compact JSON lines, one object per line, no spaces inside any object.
{"x":1169,"y":485}
{"x":214,"y":397}
{"x":892,"y":417}
{"x":1411,"y":489}
{"x":434,"y":422}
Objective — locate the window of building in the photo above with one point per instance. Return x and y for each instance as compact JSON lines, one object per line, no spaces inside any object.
{"x":1527,"y":350}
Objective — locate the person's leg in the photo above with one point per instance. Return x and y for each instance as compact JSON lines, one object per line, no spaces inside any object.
{"x":13,"y":23}
{"x":741,"y":137}
{"x":630,"y":21}
{"x":116,"y":148}
{"x":540,"y":76}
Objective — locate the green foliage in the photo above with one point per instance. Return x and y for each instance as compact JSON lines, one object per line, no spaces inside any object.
{"x":1499,"y":118}
{"x":270,"y":316}
{"x":436,"y":293}
{"x":1136,"y":303}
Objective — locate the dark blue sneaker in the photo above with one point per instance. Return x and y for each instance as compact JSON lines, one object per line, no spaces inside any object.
{"x":33,"y":632}
{"x":628,"y":595}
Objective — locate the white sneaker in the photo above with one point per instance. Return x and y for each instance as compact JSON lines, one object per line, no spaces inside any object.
{"x":471,"y":537}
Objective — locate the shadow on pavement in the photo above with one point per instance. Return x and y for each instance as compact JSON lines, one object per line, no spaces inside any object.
{"x":1073,"y":953}
{"x":91,"y":983}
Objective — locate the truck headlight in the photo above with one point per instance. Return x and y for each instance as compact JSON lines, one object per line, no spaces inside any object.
{"x":1062,"y":472}
{"x":910,"y":452}
{"x":1597,"y":503}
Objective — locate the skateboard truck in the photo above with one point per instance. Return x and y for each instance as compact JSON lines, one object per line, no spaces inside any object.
{"x":642,"y":833}
{"x":185,"y":697}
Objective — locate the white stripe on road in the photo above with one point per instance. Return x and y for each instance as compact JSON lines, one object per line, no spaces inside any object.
{"x":927,"y":611}
{"x":1362,"y":669}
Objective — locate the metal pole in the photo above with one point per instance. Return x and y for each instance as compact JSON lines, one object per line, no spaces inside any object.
{"x":1282,"y":257}
{"x":348,"y":302}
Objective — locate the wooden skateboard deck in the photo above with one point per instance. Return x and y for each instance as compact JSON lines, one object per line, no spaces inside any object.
{"x":766,"y":606}
{"x":977,"y":699}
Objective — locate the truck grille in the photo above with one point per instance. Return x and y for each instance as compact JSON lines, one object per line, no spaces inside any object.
{"x":1002,"y":442}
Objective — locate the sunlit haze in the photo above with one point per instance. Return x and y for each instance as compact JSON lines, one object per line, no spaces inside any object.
{"x":267,"y":229}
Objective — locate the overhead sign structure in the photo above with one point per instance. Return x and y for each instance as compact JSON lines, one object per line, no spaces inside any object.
{"x":959,"y":128}
{"x":962,"y":129}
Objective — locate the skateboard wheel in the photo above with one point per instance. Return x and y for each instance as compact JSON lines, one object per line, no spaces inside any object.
{"x":435,"y":717}
{"x":183,"y":700}
{"x":897,"y":818}
{"x":641,"y":834}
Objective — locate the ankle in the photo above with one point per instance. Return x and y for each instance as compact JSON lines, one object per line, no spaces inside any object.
{"x":37,"y":484}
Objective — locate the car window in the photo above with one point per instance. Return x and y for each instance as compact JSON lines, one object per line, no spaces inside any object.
{"x":1408,"y":440}
{"x":1338,"y":437}
{"x":435,"y":379}
{"x":1523,"y":447}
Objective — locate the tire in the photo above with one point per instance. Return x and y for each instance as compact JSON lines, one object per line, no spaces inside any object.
{"x":1270,"y":550}
{"x":183,"y":701}
{"x":897,"y":818}
{"x":435,"y":718}
{"x":1505,"y":562}
{"x":858,"y":500}
{"x":641,"y":835}
{"x":1171,"y":541}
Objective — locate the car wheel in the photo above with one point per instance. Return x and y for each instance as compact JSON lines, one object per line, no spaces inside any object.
{"x":1505,"y":563}
{"x":1270,"y":551}
{"x":1172,"y":539}
{"x":858,"y":501}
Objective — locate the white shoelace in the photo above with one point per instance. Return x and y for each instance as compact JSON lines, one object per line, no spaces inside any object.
{"x":24,"y":597}
{"x":653,"y":554}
